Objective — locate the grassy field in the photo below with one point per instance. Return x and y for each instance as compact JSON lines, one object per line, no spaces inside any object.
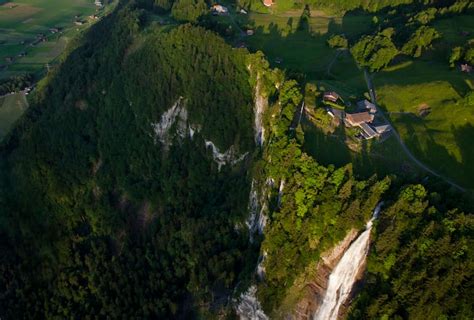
{"x":302,"y":50}
{"x":22,"y":21}
{"x":382,"y":158}
{"x":11,"y":108}
{"x":439,"y":139}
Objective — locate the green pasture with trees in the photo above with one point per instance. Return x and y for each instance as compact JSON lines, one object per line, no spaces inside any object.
{"x":414,"y":51}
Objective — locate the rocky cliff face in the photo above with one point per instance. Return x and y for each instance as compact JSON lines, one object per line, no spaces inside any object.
{"x":315,"y":288}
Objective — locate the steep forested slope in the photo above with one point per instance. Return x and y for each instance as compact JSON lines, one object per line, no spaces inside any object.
{"x":421,"y":254}
{"x":421,"y":264}
{"x":99,"y":216}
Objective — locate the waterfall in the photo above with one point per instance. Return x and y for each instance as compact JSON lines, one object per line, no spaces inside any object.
{"x":249,"y":307}
{"x":257,"y":207}
{"x":260,"y":268}
{"x":344,"y":275}
{"x":261,"y":104}
{"x":280,"y":191}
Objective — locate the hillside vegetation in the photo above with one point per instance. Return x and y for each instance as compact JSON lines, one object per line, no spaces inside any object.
{"x":124,"y":189}
{"x":98,"y":217}
{"x":420,"y":265}
{"x":415,"y":51}
{"x":313,"y":207}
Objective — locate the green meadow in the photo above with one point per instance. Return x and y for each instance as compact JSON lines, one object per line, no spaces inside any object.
{"x":439,"y":138}
{"x":22,"y":21}
{"x":379,"y":157}
{"x":12,"y":107}
{"x":304,"y":50}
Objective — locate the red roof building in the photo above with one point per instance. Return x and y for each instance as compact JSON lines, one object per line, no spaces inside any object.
{"x":355,"y":119}
{"x":331,"y":96}
{"x":268,"y":3}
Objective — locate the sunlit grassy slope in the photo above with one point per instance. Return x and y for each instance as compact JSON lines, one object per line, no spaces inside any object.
{"x":11,"y":108}
{"x":22,"y":21}
{"x":439,"y":139}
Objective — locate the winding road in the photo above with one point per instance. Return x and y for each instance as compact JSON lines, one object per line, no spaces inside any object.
{"x":371,"y":88}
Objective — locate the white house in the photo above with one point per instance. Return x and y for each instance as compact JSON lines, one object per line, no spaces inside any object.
{"x":219,"y":9}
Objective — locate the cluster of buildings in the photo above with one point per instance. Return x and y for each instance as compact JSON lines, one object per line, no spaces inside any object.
{"x":363,"y":117}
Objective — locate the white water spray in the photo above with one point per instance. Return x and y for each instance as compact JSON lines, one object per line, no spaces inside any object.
{"x":249,"y":307}
{"x":261,"y":103}
{"x":345,"y":273}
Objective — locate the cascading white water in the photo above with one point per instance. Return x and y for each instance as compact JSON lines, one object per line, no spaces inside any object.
{"x":249,"y":307}
{"x":344,"y":274}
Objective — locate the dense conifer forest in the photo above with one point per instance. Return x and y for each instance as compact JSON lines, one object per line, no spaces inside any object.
{"x":97,"y":217}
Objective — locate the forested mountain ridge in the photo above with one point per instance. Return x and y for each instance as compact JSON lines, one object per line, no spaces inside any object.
{"x":99,"y":217}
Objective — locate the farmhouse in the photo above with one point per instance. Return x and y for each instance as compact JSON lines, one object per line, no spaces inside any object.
{"x":267,"y":3}
{"x":367,"y":105}
{"x":367,"y":131}
{"x":380,"y":129}
{"x":356,"y":119}
{"x":219,"y":9}
{"x":336,"y":113}
{"x":331,"y":96}
{"x":363,"y":118}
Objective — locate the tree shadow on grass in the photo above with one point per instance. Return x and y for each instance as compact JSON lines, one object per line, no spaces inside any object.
{"x":437,"y":157}
{"x":296,"y":46}
{"x":464,"y":136}
{"x":331,"y":149}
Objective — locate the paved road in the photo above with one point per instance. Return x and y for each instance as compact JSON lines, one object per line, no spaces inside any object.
{"x":371,"y":88}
